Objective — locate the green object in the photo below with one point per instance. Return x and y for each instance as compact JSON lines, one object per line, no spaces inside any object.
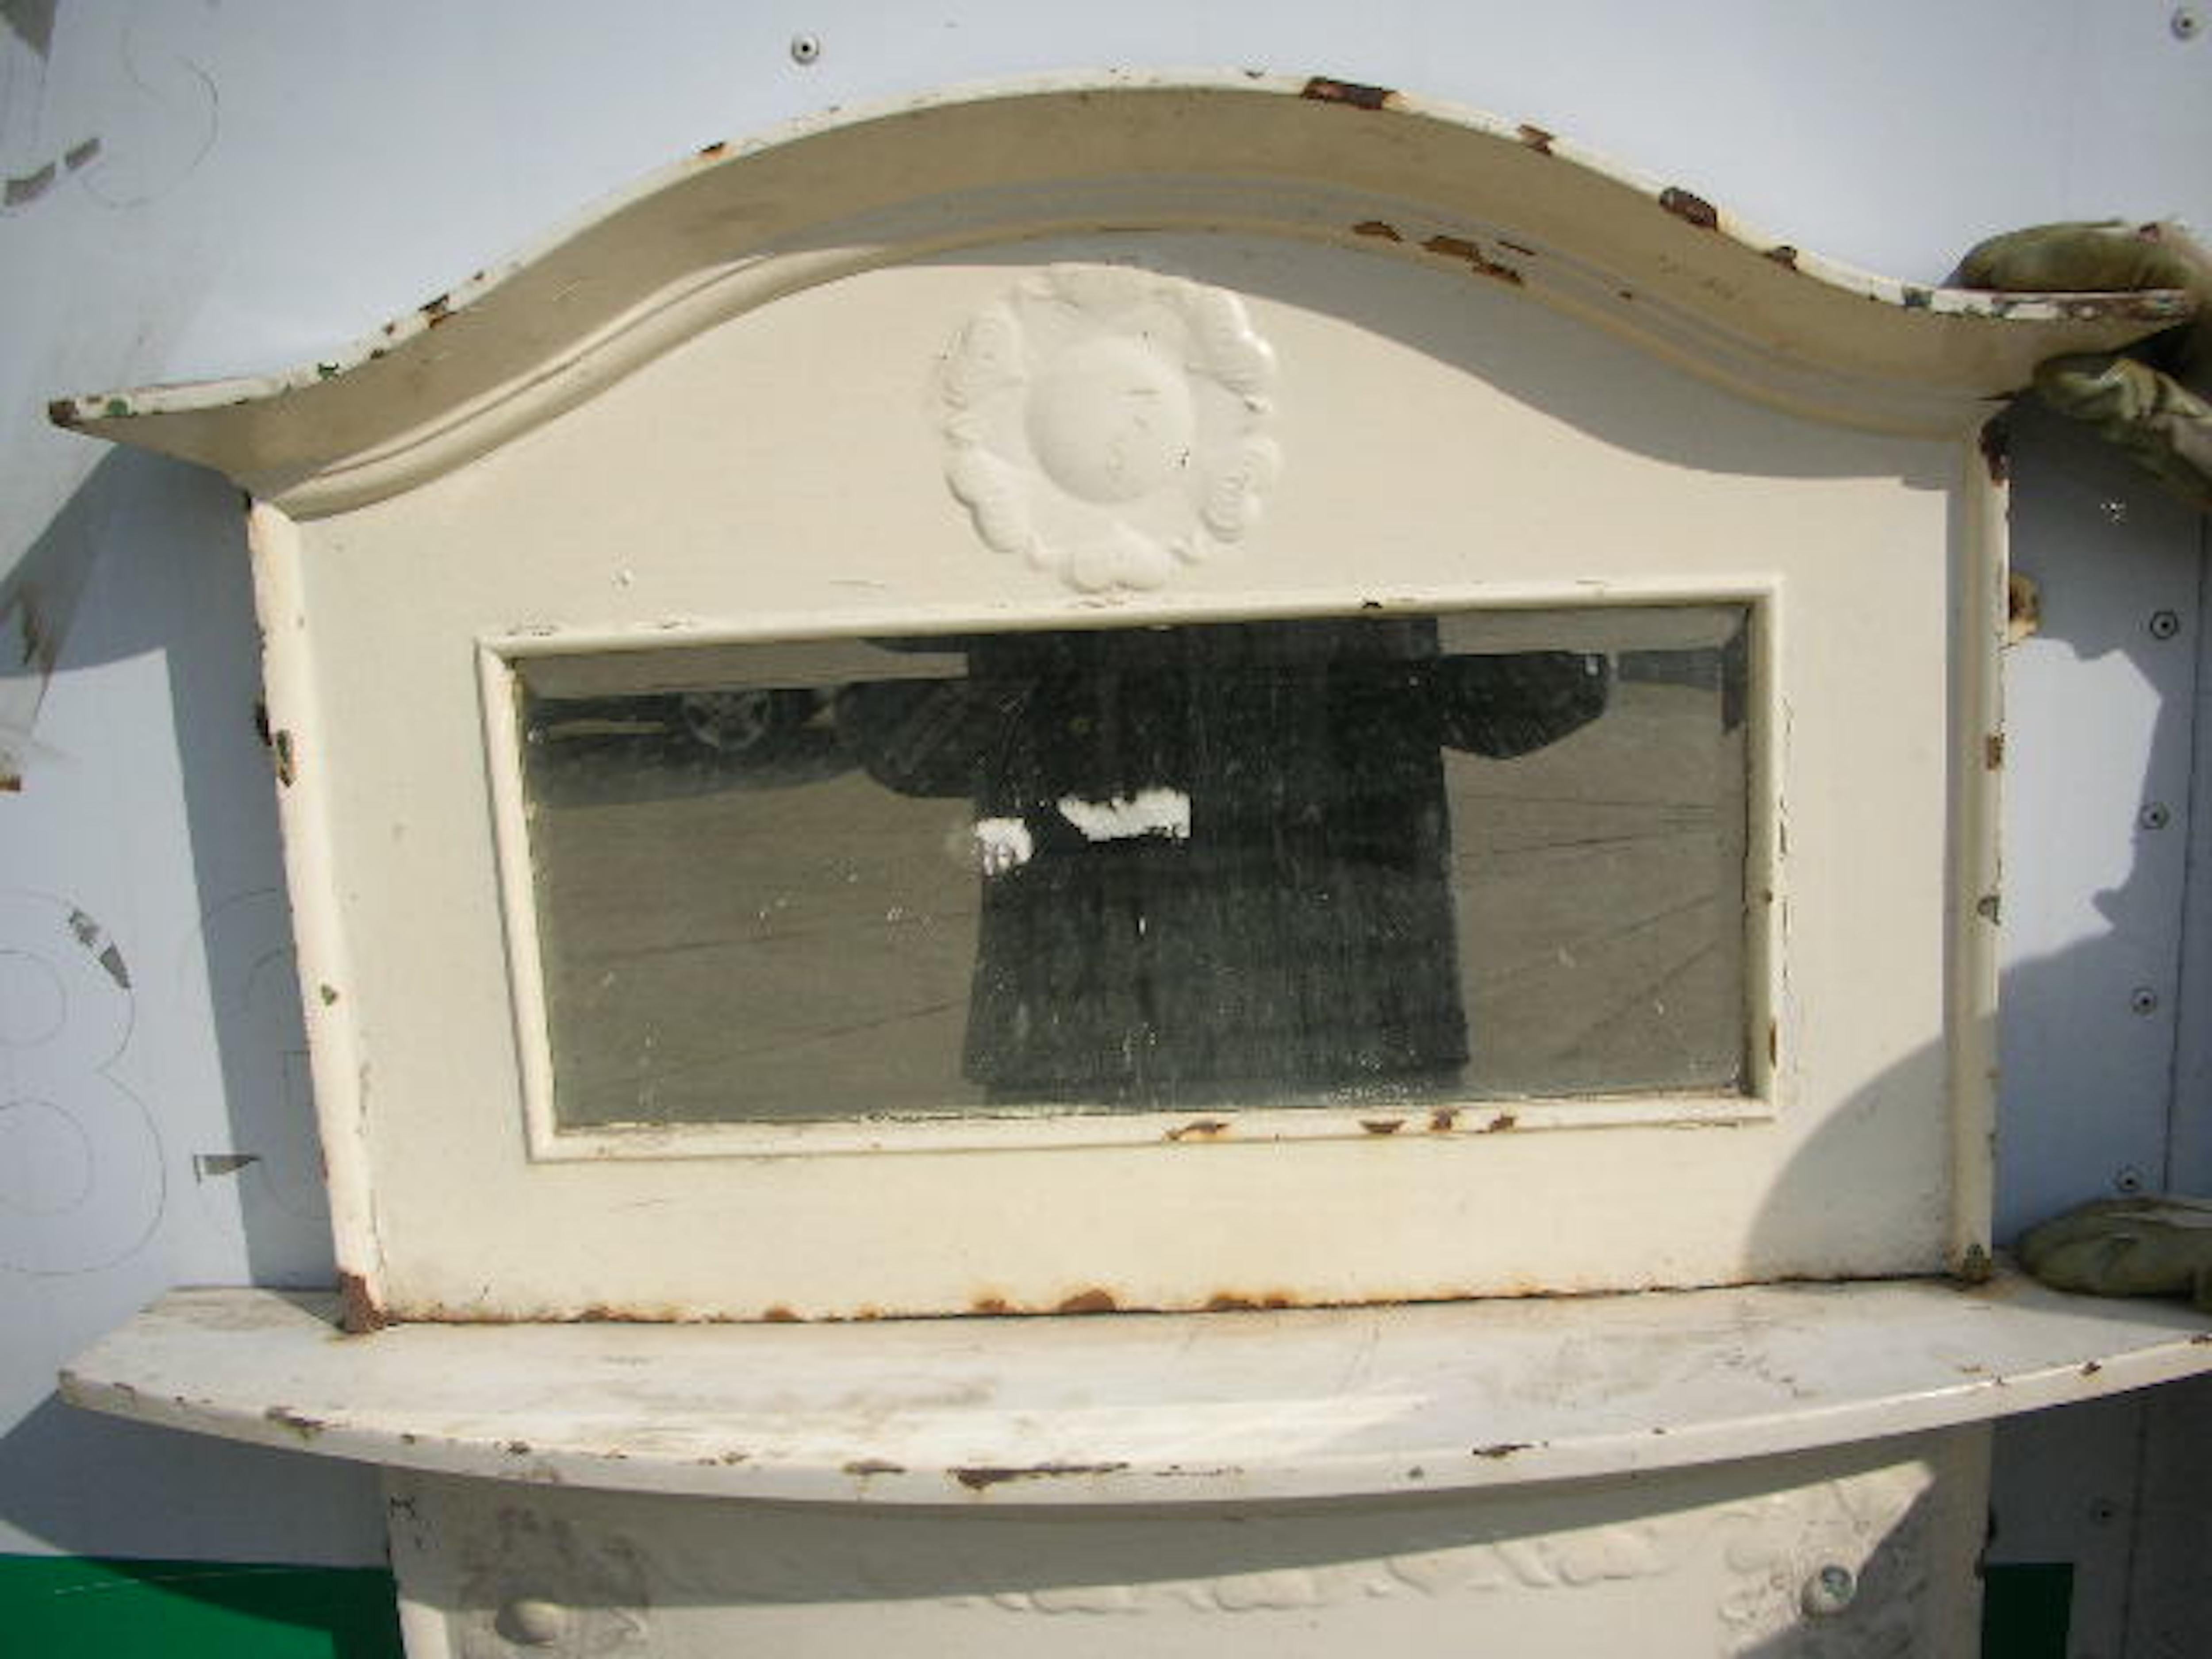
{"x":2148,"y":403}
{"x":2027,"y":1610}
{"x":2153,"y":1245}
{"x":71,"y":1606}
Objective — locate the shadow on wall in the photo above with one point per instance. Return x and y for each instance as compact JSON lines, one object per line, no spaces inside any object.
{"x":193,"y":990}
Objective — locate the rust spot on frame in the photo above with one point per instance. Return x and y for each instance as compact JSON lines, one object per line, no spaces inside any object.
{"x":1536,"y":138}
{"x":1459,"y":247}
{"x":779,"y":1315}
{"x":1500,"y":1124}
{"x":1993,"y":747}
{"x":358,"y":1314}
{"x":1377,"y":227}
{"x":300,"y":1424}
{"x":1202,"y":1128}
{"x":708,"y":153}
{"x":1382,"y":1126}
{"x":1690,"y":207}
{"x":2023,"y":607}
{"x":1092,"y":1301}
{"x":1324,"y":90}
{"x":997,"y":1307}
{"x":982,"y":1479}
{"x":1240,"y":1302}
{"x":1997,"y":449}
{"x":1442,"y":1120}
{"x":865,"y":1467}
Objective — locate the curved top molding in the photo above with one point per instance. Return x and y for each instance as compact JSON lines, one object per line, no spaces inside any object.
{"x":739,"y":224}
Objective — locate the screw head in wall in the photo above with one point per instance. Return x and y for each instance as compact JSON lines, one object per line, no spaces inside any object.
{"x":2187,"y":23}
{"x":2143,"y":1000}
{"x":805,"y":48}
{"x":2127,"y":1179}
{"x":2156,"y":816}
{"x":2164,"y":625}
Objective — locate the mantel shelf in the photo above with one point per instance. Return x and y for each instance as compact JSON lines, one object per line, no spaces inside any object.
{"x":1134,"y":1409}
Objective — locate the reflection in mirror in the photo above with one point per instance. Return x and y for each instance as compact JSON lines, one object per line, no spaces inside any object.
{"x":1265,"y":864}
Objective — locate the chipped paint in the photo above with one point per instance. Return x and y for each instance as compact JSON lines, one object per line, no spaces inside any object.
{"x":1203,"y":1128}
{"x":1459,"y":247}
{"x":308,"y":1428}
{"x":865,"y":1467}
{"x":358,"y":1312}
{"x":1382,"y":1126}
{"x":1322,"y":90}
{"x":1690,"y":207}
{"x":1442,"y":1120}
{"x":2023,"y":607}
{"x":1500,"y":1124}
{"x":1993,"y":751}
{"x":1091,"y":1301}
{"x":982,"y":1479}
{"x":1995,"y":443}
{"x":1501,"y":1449}
{"x":1379,"y":228}
{"x":288,"y":765}
{"x":1535,"y":138}
{"x":1782,"y":254}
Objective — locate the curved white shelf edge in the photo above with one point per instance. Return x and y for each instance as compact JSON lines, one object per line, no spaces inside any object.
{"x":1136,"y":1409}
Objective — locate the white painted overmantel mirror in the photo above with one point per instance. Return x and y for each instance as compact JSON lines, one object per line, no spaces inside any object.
{"x":1188,"y":696}
{"x":1155,"y":696}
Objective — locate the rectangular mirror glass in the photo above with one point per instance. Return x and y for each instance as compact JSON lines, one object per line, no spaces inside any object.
{"x":1284,"y":863}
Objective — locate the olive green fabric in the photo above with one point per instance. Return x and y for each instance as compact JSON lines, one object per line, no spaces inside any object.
{"x":72,"y":1605}
{"x":2150,"y":402}
{"x":2150,"y":1246}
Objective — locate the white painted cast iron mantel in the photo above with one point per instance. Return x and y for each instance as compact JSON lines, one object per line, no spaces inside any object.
{"x":1146,"y":1408}
{"x":1141,"y":1409}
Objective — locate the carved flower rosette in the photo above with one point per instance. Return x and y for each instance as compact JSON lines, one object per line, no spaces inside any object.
{"x":1108,"y":424}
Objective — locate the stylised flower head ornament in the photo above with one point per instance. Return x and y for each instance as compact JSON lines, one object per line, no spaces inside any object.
{"x":1108,"y":423}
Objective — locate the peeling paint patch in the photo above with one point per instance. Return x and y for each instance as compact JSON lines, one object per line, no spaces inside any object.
{"x":358,"y":1314}
{"x":1690,"y":207}
{"x":2023,"y":607}
{"x":1997,"y":449}
{"x":982,"y":1479}
{"x":308,"y":1428}
{"x":1459,"y":247}
{"x":1323,"y":89}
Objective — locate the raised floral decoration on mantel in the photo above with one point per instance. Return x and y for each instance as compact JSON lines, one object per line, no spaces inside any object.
{"x":1108,"y":424}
